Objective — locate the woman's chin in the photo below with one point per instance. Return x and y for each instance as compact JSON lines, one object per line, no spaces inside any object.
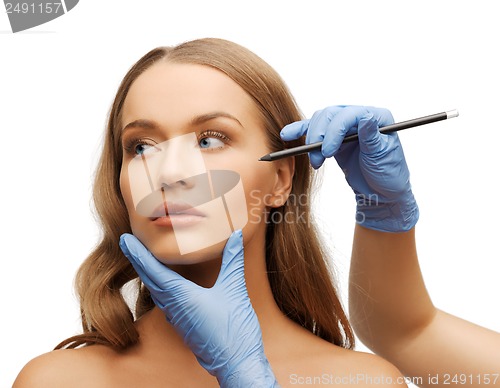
{"x":170,"y":254}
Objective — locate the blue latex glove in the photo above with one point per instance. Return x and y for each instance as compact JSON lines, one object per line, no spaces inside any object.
{"x":218,"y":324}
{"x":374,"y":167}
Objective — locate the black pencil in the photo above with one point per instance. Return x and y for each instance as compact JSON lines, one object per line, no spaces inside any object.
{"x":387,"y":129}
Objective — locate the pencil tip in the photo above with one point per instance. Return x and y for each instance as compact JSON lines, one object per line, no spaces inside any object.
{"x":266,"y":158}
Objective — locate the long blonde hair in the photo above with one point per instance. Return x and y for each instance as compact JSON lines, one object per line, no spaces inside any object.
{"x":297,"y":264}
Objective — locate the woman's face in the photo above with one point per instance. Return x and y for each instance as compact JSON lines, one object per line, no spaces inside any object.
{"x":180,"y":121}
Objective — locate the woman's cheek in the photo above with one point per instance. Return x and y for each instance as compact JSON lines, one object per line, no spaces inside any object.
{"x":258,"y":203}
{"x":125,"y":190}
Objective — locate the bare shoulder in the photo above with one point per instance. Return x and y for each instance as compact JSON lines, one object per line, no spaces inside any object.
{"x":349,"y":367}
{"x":66,"y":367}
{"x":327,"y":364}
{"x":373,"y":365}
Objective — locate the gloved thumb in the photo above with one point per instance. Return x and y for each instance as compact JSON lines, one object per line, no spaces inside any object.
{"x":154,"y":274}
{"x":370,"y":139}
{"x":233,"y":259}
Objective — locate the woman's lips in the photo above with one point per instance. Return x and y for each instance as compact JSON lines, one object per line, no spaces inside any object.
{"x":176,"y":214}
{"x":177,"y":220}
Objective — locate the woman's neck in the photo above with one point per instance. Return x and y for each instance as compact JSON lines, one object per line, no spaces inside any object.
{"x":257,"y":282}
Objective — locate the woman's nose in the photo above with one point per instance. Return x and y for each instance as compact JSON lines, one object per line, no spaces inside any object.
{"x":174,"y":171}
{"x":179,"y":161}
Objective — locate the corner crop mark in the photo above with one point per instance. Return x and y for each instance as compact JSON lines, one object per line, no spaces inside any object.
{"x":25,"y":14}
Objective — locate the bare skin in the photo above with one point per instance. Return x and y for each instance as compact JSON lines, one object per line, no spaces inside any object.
{"x":394,"y":316}
{"x":161,"y":359}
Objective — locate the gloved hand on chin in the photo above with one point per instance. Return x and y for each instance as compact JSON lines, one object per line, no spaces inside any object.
{"x":219,"y":323}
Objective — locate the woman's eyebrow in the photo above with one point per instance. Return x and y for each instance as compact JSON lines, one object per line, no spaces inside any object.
{"x":141,"y":123}
{"x":197,"y":120}
{"x":213,"y":115}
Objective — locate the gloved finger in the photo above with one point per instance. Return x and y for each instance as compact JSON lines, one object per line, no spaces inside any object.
{"x":382,"y":115}
{"x":347,"y":121}
{"x":370,"y":138}
{"x":341,"y":124}
{"x":318,"y":128}
{"x":320,"y":121}
{"x":316,"y":133}
{"x":154,"y":274}
{"x":233,"y":260}
{"x":294,"y":130}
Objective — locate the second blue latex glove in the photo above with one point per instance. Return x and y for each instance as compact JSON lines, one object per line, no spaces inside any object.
{"x":219,"y":323}
{"x":374,"y":166}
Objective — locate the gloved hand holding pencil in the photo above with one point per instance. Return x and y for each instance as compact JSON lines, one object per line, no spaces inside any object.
{"x":374,"y":166}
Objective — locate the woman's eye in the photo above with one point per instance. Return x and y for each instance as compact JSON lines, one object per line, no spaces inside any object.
{"x":142,"y":148}
{"x":211,"y":142}
{"x":139,"y":147}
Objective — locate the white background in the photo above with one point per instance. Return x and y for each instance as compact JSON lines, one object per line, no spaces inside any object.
{"x":57,"y":82}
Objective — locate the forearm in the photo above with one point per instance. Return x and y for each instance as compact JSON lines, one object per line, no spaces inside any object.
{"x":393,"y":315}
{"x":388,"y":301}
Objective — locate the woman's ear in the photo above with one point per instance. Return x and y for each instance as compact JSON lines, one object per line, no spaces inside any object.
{"x":285,"y":168}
